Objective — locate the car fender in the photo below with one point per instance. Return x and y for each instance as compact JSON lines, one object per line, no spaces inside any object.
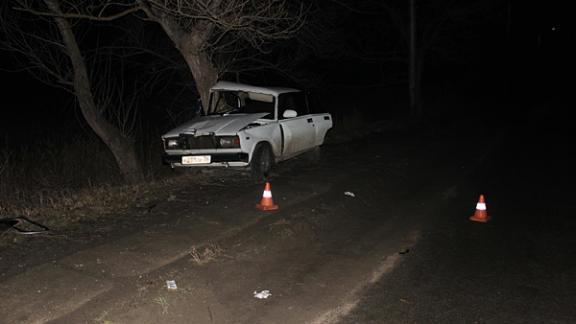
{"x":269,"y":133}
{"x":323,"y":125}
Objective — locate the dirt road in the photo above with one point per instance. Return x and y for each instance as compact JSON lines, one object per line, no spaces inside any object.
{"x":344,"y":222}
{"x":517,"y":268}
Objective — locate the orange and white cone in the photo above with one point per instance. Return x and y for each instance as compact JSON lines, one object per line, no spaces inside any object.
{"x":267,"y":203}
{"x":480,"y":215}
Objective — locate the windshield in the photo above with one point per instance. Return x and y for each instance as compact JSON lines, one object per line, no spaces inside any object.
{"x":240,"y":102}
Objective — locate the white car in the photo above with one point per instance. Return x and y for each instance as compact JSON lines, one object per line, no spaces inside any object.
{"x":247,"y":126}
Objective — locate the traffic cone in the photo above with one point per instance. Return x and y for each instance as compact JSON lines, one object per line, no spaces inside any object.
{"x":267,"y":203}
{"x":480,"y":215}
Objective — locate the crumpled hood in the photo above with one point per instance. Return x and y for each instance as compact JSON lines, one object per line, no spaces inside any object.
{"x":217,"y":124}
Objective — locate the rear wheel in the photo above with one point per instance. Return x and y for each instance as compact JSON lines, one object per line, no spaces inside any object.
{"x":261,"y":163}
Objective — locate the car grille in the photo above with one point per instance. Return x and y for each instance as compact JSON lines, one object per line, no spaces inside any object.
{"x":188,"y":142}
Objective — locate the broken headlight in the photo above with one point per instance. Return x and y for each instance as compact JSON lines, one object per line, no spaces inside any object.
{"x":229,"y":141}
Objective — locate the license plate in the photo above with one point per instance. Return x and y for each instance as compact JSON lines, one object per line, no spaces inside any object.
{"x":196,"y":159}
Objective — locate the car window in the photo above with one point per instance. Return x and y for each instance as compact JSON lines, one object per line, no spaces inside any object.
{"x":315,"y":105}
{"x":224,"y":101}
{"x":240,"y":102}
{"x":294,"y":101}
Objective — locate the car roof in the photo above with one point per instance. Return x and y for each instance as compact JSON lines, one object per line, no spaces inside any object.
{"x":233,"y":86}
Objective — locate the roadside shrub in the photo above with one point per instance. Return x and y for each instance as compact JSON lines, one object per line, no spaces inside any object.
{"x":40,"y":173}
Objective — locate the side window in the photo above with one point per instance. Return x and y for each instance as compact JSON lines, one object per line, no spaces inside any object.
{"x":294,"y":101}
{"x":315,"y":105}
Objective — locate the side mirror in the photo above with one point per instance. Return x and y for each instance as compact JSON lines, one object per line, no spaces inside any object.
{"x":289,"y":113}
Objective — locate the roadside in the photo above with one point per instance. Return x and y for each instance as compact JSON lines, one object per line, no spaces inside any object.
{"x":98,"y":214}
{"x":316,"y":254}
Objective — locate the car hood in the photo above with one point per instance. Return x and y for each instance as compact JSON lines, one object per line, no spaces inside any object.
{"x":217,"y":124}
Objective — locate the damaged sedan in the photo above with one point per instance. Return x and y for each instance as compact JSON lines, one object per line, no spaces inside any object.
{"x":247,"y":126}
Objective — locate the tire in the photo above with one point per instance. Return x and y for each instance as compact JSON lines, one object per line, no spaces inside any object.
{"x":261,"y":163}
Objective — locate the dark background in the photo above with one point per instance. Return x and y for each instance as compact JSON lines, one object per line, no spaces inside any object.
{"x":499,"y":67}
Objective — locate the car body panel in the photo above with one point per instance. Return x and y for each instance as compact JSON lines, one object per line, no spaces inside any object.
{"x":299,"y":135}
{"x":223,"y":125}
{"x":287,"y":137}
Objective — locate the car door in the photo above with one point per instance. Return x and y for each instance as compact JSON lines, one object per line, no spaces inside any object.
{"x":298,"y":133}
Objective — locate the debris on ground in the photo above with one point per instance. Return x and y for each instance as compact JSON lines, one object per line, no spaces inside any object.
{"x":171,"y":284}
{"x":349,"y":193}
{"x":263,"y":294}
{"x":22,"y":225}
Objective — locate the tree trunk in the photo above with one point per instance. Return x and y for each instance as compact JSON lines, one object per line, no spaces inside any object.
{"x":417,"y":111}
{"x":203,"y":71}
{"x":122,"y":147}
{"x":190,"y":44}
{"x":415,"y":64}
{"x":204,"y":75}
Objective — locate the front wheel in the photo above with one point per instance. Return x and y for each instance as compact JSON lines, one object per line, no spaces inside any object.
{"x":261,"y":163}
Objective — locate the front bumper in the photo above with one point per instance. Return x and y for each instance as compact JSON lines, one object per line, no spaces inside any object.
{"x":217,"y":159}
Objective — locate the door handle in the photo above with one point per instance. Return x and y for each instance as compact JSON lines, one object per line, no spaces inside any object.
{"x":309,"y":120}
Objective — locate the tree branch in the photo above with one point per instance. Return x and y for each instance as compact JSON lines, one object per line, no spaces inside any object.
{"x":98,"y":17}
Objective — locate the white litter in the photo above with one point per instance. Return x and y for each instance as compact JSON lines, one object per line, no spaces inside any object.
{"x":171,"y":284}
{"x":349,"y":193}
{"x":263,"y":294}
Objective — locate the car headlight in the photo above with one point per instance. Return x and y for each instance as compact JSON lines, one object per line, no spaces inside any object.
{"x":171,"y":143}
{"x":229,"y":141}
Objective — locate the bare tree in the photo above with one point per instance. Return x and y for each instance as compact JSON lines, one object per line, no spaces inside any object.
{"x":57,"y":56}
{"x":203,"y":31}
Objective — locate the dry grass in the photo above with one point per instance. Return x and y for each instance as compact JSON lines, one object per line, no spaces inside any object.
{"x":163,"y":304}
{"x":51,"y":173}
{"x":206,"y":254}
{"x":62,"y":183}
